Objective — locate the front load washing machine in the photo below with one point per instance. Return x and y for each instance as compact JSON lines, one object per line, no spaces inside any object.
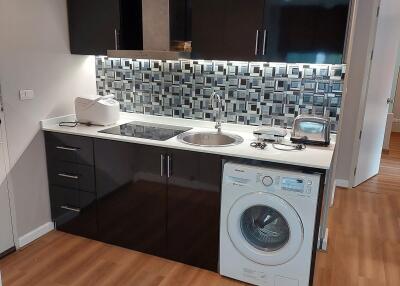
{"x":267,"y":227}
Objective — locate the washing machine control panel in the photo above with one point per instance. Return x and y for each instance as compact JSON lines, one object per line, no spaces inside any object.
{"x":295,"y":185}
{"x":267,"y":181}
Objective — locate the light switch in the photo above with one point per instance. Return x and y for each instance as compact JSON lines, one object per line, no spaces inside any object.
{"x":25,"y":94}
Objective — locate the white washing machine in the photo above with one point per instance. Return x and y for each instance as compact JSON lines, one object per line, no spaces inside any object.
{"x":267,"y":225}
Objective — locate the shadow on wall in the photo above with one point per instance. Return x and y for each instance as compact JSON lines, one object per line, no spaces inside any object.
{"x":31,"y":163}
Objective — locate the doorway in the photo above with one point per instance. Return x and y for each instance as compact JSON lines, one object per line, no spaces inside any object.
{"x":7,"y":244}
{"x":374,"y":106}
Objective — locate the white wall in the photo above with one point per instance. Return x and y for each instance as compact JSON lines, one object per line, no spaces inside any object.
{"x":34,"y":54}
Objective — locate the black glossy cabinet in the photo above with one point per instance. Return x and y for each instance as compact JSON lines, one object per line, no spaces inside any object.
{"x":270,"y":30}
{"x":304,"y":31}
{"x":72,"y":183}
{"x":74,"y":211}
{"x":96,"y":26}
{"x":193,"y":208}
{"x":226,"y":29}
{"x":132,"y":196}
{"x":160,"y":201}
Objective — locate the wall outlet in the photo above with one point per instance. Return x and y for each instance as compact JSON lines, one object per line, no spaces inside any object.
{"x":25,"y":94}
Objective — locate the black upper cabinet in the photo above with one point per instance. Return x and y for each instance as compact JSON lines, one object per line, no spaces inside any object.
{"x":180,"y":14}
{"x":96,"y":26}
{"x":243,"y":36}
{"x":208,"y":27}
{"x":311,"y":31}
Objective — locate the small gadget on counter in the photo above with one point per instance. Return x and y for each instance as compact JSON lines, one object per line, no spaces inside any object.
{"x":270,"y":134}
{"x":309,"y":129}
{"x":103,"y":110}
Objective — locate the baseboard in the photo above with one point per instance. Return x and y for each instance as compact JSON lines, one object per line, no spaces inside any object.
{"x":35,"y":234}
{"x":342,"y":183}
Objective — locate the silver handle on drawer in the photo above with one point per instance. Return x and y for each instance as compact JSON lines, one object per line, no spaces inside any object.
{"x":256,"y":49}
{"x":264,"y":43}
{"x":67,"y":148}
{"x":116,"y":39}
{"x":68,"y":176}
{"x":168,"y":166}
{"x":70,"y":209}
{"x":162,"y":164}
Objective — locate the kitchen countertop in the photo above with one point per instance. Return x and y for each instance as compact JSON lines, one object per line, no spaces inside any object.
{"x":312,"y":156}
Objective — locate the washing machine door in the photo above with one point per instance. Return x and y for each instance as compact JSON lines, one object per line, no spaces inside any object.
{"x":265,"y":228}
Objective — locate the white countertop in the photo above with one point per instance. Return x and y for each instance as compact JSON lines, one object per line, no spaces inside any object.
{"x":312,"y":156}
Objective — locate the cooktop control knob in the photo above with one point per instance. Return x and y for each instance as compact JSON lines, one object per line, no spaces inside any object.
{"x":267,"y":181}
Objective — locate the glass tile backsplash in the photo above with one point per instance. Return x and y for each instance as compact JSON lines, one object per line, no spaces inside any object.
{"x":254,"y":93}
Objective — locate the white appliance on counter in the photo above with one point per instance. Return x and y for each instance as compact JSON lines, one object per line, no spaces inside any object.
{"x":103,"y":110}
{"x":267,"y":225}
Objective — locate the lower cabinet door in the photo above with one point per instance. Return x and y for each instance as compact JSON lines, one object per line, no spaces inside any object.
{"x":74,"y":211}
{"x":193,"y":208}
{"x":132,"y":196}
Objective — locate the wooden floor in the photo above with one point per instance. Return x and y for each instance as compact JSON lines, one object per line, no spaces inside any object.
{"x":364,"y":248}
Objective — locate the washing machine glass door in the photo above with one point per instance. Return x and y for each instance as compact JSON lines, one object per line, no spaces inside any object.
{"x":265,"y":228}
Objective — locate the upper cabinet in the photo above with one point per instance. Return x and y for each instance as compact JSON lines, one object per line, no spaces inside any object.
{"x":226,"y":29}
{"x":130,"y":28}
{"x":310,"y":31}
{"x":96,"y":26}
{"x":307,"y":31}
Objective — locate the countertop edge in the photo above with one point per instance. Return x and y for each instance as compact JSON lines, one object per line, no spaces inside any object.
{"x":51,"y":125}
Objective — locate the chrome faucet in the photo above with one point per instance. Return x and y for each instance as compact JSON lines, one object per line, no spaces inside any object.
{"x":215,"y":97}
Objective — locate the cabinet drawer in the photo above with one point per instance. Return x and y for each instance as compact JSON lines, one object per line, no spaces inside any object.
{"x":74,"y":211}
{"x":70,"y":175}
{"x":69,"y":148}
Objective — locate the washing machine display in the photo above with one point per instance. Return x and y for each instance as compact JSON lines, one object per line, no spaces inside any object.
{"x":293,"y":184}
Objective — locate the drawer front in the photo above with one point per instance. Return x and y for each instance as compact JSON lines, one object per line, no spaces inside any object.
{"x":70,"y":175}
{"x":74,"y":211}
{"x":69,"y":148}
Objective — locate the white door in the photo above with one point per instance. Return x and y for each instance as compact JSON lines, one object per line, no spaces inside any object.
{"x":6,"y":234}
{"x":379,"y":89}
{"x":265,"y":228}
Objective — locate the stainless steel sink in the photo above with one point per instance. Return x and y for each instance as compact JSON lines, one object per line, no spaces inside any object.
{"x":210,"y":139}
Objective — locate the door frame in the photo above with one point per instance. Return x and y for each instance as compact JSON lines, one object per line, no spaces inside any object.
{"x":8,"y":169}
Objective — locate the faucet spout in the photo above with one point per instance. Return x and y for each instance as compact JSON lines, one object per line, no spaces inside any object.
{"x":215,"y":97}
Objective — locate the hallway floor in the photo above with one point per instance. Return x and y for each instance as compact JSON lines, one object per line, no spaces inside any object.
{"x":363,"y":250}
{"x":364,"y":230}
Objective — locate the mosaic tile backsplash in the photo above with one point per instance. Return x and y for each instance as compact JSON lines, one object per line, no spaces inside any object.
{"x":253,"y":93}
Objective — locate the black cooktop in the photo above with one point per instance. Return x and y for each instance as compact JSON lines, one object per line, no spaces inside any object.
{"x":146,"y":130}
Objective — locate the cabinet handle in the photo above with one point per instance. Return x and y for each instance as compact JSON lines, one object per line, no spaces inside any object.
{"x":162,"y":164}
{"x":67,"y":148}
{"x":68,"y":176}
{"x":256,"y":49}
{"x":116,"y":39}
{"x":71,"y":209}
{"x":168,"y":166}
{"x":265,"y":41}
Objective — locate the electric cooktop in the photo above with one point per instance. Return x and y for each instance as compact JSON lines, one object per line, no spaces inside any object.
{"x":146,"y":130}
